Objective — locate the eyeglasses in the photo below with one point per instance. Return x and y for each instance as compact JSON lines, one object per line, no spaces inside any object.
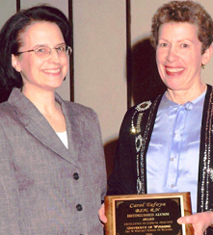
{"x":44,"y":51}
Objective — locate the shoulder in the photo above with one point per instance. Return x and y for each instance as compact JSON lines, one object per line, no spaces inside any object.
{"x":8,"y":121}
{"x":143,"y":108}
{"x":209,"y":90}
{"x":138,"y":115}
{"x":79,"y":113}
{"x":6,"y":110}
{"x":76,"y":109}
{"x":79,"y":109}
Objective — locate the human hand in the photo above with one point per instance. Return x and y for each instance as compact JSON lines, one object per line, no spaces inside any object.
{"x":101,"y":214}
{"x":199,"y":221}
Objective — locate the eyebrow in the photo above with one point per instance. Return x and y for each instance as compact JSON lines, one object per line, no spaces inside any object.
{"x":46,"y":45}
{"x":181,"y":40}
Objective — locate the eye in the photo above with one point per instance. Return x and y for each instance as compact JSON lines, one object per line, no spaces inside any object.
{"x":42,"y":50}
{"x":61,"y":48}
{"x":163,"y":44}
{"x":184,"y":45}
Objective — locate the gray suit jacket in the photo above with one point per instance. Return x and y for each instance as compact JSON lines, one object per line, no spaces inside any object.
{"x":46,"y":188}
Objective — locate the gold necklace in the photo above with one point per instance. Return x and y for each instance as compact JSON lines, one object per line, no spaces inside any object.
{"x":49,"y":116}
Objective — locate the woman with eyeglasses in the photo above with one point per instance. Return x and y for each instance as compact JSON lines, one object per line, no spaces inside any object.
{"x":52,"y":169}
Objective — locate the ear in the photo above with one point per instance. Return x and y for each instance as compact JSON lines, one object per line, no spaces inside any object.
{"x":15,"y":63}
{"x":207,"y":55}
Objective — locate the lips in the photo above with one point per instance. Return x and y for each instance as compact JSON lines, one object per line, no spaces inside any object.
{"x":173,"y":71}
{"x":52,"y":70}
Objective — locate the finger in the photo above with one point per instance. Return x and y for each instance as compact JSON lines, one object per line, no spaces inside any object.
{"x":101,"y":214}
{"x":185,"y":220}
{"x":180,"y":220}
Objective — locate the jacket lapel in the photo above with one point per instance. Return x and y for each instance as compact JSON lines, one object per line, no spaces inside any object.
{"x":205,"y":182}
{"x":37,"y":125}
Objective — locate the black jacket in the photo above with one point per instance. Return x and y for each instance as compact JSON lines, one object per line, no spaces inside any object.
{"x":129,"y":174}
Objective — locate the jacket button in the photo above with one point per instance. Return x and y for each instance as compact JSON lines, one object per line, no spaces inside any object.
{"x":79,"y":207}
{"x":76,"y":176}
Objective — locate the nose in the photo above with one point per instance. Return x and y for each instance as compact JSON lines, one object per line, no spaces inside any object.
{"x":54,"y":56}
{"x":172,"y":55}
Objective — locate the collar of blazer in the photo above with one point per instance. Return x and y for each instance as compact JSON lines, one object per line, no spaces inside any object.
{"x":30,"y":117}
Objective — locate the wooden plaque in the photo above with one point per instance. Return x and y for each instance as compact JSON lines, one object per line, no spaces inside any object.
{"x":147,"y":214}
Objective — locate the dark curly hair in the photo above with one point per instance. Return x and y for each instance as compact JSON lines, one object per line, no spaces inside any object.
{"x":11,"y":41}
{"x":184,"y":11}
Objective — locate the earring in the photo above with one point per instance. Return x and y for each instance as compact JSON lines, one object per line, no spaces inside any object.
{"x":203,"y":66}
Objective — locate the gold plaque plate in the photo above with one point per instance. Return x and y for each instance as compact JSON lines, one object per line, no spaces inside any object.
{"x":147,"y":214}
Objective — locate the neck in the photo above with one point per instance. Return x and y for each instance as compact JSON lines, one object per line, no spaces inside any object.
{"x":44,"y":101}
{"x":183,"y":96}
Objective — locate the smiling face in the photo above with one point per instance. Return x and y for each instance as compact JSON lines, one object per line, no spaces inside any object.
{"x":44,"y":73}
{"x":179,"y":57}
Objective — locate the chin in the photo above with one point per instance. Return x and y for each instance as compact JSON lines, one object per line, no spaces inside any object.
{"x":173,"y":87}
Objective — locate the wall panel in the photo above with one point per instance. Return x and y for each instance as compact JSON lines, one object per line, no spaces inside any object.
{"x":7,"y":9}
{"x":100,"y":61}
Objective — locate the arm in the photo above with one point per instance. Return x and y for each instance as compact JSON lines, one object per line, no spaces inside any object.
{"x":200,"y":221}
{"x":102,"y":161}
{"x":123,"y":178}
{"x":9,"y":203}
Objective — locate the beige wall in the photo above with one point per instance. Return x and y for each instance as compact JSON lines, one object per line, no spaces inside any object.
{"x":99,"y":60}
{"x":8,"y":8}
